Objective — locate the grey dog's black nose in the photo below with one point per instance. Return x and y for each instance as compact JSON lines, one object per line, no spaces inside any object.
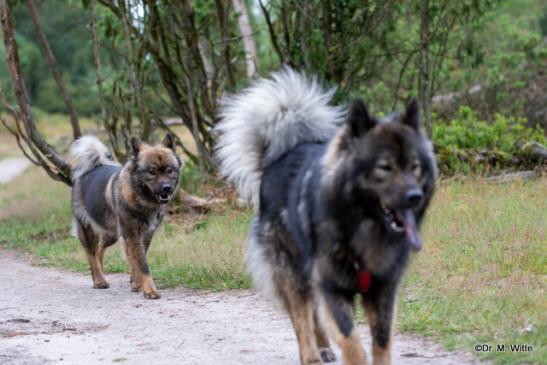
{"x":166,"y":189}
{"x":413,"y":197}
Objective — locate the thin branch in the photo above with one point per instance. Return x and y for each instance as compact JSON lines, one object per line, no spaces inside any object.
{"x":304,"y":34}
{"x":401,"y":74}
{"x":15,"y":133}
{"x":76,"y":131}
{"x":97,"y":62}
{"x":273,"y":36}
{"x":133,"y":69}
{"x":222,"y":11}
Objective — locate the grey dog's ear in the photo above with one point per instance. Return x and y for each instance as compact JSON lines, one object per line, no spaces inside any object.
{"x":412,"y":115}
{"x":136,"y":145}
{"x":169,"y":141}
{"x":358,"y":119}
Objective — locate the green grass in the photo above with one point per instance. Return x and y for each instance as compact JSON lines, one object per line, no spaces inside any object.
{"x":195,"y":251}
{"x":481,"y":275}
{"x":479,"y":279}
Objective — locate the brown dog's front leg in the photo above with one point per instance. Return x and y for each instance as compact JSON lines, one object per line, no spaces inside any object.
{"x":141,"y":280}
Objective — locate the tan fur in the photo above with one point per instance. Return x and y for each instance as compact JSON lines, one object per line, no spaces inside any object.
{"x":156,"y":156}
{"x":332,"y":155}
{"x":353,"y":352}
{"x":97,"y":275}
{"x":380,"y":355}
{"x":301,"y":315}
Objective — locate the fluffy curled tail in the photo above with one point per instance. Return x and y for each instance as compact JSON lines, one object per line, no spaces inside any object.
{"x":89,"y":152}
{"x":267,"y":119}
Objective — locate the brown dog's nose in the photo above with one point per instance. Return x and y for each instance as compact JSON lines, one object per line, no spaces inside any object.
{"x":166,"y":189}
{"x":413,"y":197}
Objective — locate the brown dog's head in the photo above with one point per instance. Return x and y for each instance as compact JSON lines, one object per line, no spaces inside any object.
{"x":386,"y":165}
{"x":155,"y":170}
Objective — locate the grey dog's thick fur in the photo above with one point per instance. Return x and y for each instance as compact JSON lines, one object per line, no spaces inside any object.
{"x":268,"y":119}
{"x":339,"y":199}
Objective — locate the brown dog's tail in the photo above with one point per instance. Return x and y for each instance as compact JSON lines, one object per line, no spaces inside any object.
{"x":89,"y":152}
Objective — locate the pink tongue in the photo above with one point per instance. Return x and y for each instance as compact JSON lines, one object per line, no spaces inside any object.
{"x":411,"y":229}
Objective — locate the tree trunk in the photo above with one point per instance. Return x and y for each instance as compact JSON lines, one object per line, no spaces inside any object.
{"x":246,"y":30}
{"x":51,"y":161}
{"x":425,"y":67}
{"x":76,"y":131}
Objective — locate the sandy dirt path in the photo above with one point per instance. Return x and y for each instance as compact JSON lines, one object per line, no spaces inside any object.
{"x":50,"y":316}
{"x":11,"y":167}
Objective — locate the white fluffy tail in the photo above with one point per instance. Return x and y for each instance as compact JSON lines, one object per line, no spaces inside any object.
{"x":89,"y":152}
{"x":267,"y":119}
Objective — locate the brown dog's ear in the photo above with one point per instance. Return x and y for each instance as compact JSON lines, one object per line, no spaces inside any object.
{"x":169,"y":141}
{"x":136,"y":145}
{"x":412,"y":115}
{"x":358,"y":119}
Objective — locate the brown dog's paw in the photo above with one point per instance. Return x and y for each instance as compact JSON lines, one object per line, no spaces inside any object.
{"x":313,"y":361}
{"x":135,"y":288}
{"x":101,"y":285}
{"x":152,"y":294}
{"x":327,"y":354}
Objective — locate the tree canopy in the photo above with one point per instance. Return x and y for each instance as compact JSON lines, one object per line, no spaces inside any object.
{"x":133,"y":63}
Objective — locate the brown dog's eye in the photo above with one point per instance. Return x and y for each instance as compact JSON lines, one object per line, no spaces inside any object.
{"x":168,"y":170}
{"x":152,"y":172}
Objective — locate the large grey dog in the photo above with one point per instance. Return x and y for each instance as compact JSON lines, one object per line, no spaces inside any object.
{"x":339,"y":198}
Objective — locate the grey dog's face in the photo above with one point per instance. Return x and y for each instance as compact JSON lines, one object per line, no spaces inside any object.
{"x":392,"y":169}
{"x":156,"y":169}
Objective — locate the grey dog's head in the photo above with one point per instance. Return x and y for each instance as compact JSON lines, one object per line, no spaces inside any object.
{"x":386,"y":165}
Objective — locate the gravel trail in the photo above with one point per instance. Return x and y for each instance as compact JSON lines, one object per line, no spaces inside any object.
{"x":11,"y":167}
{"x":51,"y":316}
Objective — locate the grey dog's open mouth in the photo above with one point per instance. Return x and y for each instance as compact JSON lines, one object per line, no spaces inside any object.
{"x":403,"y":221}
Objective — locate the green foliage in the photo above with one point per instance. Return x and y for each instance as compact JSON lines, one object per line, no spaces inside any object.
{"x":366,"y":49}
{"x":190,"y":178}
{"x":467,"y":144}
{"x":65,"y":24}
{"x":193,"y":182}
{"x":467,"y":131}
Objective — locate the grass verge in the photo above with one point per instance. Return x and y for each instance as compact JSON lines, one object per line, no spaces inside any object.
{"x":481,"y":276}
{"x":479,"y":279}
{"x":35,"y":216}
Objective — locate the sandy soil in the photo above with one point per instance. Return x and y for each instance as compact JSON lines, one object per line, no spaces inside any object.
{"x":11,"y":167}
{"x":52,"y":316}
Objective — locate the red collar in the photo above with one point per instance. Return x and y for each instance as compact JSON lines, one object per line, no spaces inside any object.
{"x":364,"y":278}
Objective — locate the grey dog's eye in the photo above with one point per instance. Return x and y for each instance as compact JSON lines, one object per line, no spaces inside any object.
{"x":385,"y":166}
{"x":416,"y":168}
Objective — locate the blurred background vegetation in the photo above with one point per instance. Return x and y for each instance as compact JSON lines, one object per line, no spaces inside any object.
{"x":477,"y":66}
{"x":142,"y":67}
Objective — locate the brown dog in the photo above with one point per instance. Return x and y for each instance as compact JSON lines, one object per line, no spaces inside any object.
{"x":110,"y":201}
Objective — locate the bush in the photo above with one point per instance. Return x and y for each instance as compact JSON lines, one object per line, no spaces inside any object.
{"x":467,"y":144}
